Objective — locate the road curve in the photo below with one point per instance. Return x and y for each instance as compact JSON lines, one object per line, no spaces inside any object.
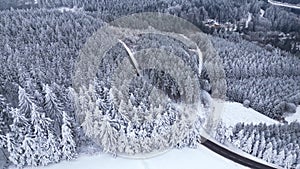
{"x":234,"y":156}
{"x":284,"y":4}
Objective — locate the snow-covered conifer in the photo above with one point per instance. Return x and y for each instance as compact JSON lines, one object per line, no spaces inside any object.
{"x":53,"y":108}
{"x":68,"y":145}
{"x":268,"y":153}
{"x":24,"y":102}
{"x":106,"y":134}
{"x":279,"y":158}
{"x":19,"y":128}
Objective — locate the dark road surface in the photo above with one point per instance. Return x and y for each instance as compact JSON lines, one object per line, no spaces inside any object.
{"x":233,"y":156}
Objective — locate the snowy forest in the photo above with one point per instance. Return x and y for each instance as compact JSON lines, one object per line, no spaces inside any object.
{"x":42,"y":119}
{"x":278,"y":144}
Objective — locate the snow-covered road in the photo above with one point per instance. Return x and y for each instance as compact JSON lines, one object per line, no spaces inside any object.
{"x":283,"y":4}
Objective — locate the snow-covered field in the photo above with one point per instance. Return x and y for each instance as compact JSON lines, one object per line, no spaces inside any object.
{"x":294,"y":117}
{"x":233,"y":113}
{"x":174,"y":159}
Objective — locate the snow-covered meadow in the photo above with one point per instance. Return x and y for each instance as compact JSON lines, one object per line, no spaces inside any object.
{"x":173,"y":159}
{"x":233,"y":113}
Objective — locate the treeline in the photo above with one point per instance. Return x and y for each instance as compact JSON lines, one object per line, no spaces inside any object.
{"x":266,"y":80}
{"x":278,"y":144}
{"x":264,"y":28}
{"x":196,"y":11}
{"x":275,"y":19}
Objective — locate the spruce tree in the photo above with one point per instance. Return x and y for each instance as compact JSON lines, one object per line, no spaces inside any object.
{"x":18,"y":128}
{"x":53,"y":108}
{"x":68,"y":145}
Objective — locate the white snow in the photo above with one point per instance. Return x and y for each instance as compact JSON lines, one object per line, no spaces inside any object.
{"x":262,"y":12}
{"x":67,"y":9}
{"x":284,"y":4}
{"x":294,"y":117}
{"x":232,"y":113}
{"x":248,"y":19}
{"x":173,"y":159}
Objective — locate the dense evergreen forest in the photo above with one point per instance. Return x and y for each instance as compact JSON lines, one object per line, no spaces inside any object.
{"x":266,"y":80}
{"x":278,"y":144}
{"x":39,"y":47}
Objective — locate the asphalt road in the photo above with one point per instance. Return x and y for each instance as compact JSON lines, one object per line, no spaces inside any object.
{"x":235,"y":156}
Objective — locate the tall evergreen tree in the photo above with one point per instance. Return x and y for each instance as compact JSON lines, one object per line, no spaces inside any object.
{"x":68,"y":145}
{"x":18,"y":128}
{"x":53,"y":108}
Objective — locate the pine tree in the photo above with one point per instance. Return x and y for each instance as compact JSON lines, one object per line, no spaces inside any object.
{"x":268,"y":153}
{"x":29,"y":146}
{"x":262,"y":146}
{"x":2,"y":140}
{"x":255,"y":148}
{"x":4,"y":118}
{"x":278,"y":159}
{"x":122,"y":141}
{"x":41,"y":127}
{"x":68,"y":145}
{"x":288,"y":161}
{"x":15,"y":151}
{"x":237,"y":140}
{"x":52,"y":148}
{"x":53,"y":108}
{"x":88,"y":123}
{"x":25,"y":102}
{"x":229,"y":134}
{"x":247,"y":146}
{"x":3,"y":121}
{"x":220,"y":133}
{"x":106,"y":134}
{"x":18,"y":128}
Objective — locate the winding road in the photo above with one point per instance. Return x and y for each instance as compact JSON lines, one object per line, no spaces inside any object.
{"x":236,"y":156}
{"x":284,"y":4}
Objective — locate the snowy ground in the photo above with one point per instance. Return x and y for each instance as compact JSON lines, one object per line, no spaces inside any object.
{"x":174,"y":159}
{"x":233,"y":113}
{"x":294,"y":117}
{"x":67,"y":9}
